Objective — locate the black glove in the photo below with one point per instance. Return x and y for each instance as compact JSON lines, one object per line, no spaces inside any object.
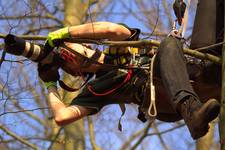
{"x":48,"y":73}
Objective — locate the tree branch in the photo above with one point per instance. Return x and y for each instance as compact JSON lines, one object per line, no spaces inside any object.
{"x":149,"y":43}
{"x":166,"y":131}
{"x":140,"y":43}
{"x":91,"y":133}
{"x":160,"y":137}
{"x":48,"y":16}
{"x":54,"y":138}
{"x":131,"y":139}
{"x":28,"y":37}
{"x":14,"y":101}
{"x":17,"y":137}
{"x":143,"y":136}
{"x":24,"y":110}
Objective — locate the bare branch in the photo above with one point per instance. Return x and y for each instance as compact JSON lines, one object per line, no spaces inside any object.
{"x":166,"y":131}
{"x":133,"y":137}
{"x":54,"y":138}
{"x":91,"y":133}
{"x":160,"y":137}
{"x":142,"y":137}
{"x":140,"y":43}
{"x":149,"y":43}
{"x":7,"y":131}
{"x":28,"y":37}
{"x":23,"y":110}
{"x":28,"y":113}
{"x":47,"y":16}
{"x":32,"y":30}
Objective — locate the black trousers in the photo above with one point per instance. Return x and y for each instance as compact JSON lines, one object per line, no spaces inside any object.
{"x":208,"y":26}
{"x":208,"y":29}
{"x":170,"y":64}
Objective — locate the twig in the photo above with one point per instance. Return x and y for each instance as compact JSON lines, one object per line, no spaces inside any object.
{"x":14,"y":101}
{"x":166,"y":131}
{"x":15,"y":61}
{"x":91,"y":133}
{"x":28,"y":37}
{"x":55,"y":138}
{"x":19,"y":111}
{"x":143,"y":136}
{"x":210,"y":46}
{"x":48,"y":16}
{"x":160,"y":137}
{"x":131,"y":139}
{"x":18,"y":138}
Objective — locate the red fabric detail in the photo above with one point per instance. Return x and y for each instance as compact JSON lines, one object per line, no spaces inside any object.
{"x":127,"y":78}
{"x":68,"y":56}
{"x":72,"y":59}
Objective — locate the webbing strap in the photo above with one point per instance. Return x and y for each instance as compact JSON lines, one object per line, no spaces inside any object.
{"x":123,"y":110}
{"x":185,"y":20}
{"x":91,"y":60}
{"x":70,"y":89}
{"x":95,"y":57}
{"x":66,"y":87}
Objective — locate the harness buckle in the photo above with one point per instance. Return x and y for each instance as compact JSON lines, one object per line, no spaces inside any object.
{"x":177,"y":33}
{"x":134,"y":54}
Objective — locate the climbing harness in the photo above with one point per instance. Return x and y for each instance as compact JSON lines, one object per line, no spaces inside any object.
{"x":126,"y":79}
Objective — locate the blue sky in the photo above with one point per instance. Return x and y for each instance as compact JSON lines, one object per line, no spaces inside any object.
{"x":129,"y":122}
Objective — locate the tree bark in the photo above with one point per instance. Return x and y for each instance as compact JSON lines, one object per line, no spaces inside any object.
{"x":222,"y":109}
{"x":75,"y":12}
{"x":206,"y":142}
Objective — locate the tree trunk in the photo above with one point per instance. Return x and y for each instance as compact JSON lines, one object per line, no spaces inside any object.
{"x":75,"y":11}
{"x":74,"y":133}
{"x":206,"y":142}
{"x":222,"y":110}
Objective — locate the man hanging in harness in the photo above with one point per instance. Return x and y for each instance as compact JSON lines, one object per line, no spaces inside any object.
{"x":113,"y":85}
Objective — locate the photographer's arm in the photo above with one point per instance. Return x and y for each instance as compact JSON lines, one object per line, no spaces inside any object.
{"x":100,"y":30}
{"x":95,"y":30}
{"x":63,"y":114}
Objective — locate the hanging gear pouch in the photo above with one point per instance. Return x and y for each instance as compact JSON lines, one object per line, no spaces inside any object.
{"x":208,"y":25}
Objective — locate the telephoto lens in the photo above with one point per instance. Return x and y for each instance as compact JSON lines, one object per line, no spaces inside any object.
{"x":18,"y":46}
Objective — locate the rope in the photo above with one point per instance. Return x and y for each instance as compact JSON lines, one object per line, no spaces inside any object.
{"x":152,"y":111}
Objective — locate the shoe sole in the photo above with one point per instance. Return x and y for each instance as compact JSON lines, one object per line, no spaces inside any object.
{"x":213,"y":109}
{"x":201,"y":132}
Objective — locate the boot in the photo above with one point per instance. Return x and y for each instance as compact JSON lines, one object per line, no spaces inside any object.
{"x":198,"y":115}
